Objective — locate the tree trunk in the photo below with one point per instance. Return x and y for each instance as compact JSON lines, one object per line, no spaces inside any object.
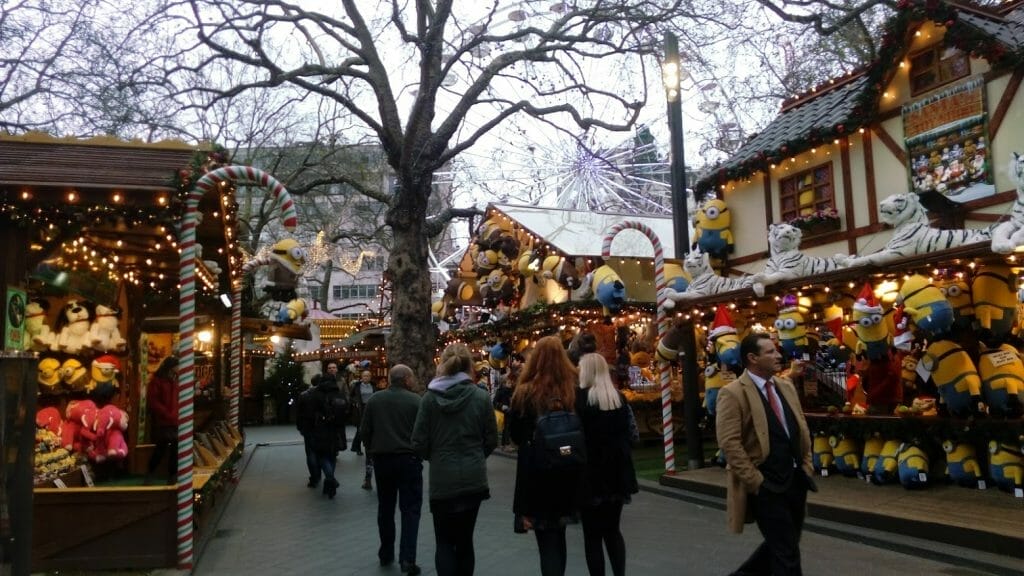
{"x":413,"y":339}
{"x":324,"y":294}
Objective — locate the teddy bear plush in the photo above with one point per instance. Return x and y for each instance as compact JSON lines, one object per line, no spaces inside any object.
{"x":73,"y":328}
{"x":38,"y":335}
{"x":104,"y":335}
{"x":111,"y":424}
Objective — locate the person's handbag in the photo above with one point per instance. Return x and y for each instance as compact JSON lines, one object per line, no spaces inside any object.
{"x":558,"y":442}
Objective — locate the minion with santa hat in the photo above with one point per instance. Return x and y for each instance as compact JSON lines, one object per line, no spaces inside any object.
{"x":873,"y":337}
{"x":725,"y":340}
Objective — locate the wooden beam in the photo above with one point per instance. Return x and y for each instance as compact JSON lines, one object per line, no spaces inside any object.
{"x":847,"y":175}
{"x":891,"y":144}
{"x":768,"y":196}
{"x":869,"y":178}
{"x":1004,"y":103}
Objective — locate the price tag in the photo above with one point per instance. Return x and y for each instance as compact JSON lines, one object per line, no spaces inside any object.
{"x":867,"y":479}
{"x":824,"y":471}
{"x":86,"y":475}
{"x":981,"y":484}
{"x":1018,"y":492}
{"x":1002,"y":357}
{"x":59,"y":483}
{"x":922,"y":477}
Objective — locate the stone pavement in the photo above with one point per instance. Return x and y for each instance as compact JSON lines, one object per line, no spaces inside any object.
{"x":274,"y":524}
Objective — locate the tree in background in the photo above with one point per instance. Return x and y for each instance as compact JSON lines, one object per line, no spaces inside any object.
{"x":283,"y":384}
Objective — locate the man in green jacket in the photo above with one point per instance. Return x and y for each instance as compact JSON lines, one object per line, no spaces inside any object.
{"x":386,"y":431}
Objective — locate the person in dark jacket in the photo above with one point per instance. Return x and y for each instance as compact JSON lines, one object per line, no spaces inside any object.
{"x":503,"y":404}
{"x":386,"y":429}
{"x":162,"y":406}
{"x":359,"y":392}
{"x":544,"y":501}
{"x":304,"y":417}
{"x":456,"y":431}
{"x":329,"y":412}
{"x":610,"y":478}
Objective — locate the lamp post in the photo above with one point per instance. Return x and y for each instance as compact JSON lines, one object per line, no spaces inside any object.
{"x":672,"y":74}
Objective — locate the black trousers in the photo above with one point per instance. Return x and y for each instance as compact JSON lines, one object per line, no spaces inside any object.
{"x":600,"y":532}
{"x":165,"y":441}
{"x":551,"y":545}
{"x":780,"y":518}
{"x":399,"y":481}
{"x":453,"y":531}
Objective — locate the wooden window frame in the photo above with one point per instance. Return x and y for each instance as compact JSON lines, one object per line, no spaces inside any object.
{"x":942,"y":71}
{"x":817,"y":204}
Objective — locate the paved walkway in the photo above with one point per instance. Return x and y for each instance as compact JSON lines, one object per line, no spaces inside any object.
{"x":275,"y":525}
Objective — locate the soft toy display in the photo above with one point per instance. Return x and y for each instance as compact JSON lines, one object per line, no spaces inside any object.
{"x":873,"y":337}
{"x":37,"y":335}
{"x":608,"y":289}
{"x":962,"y":463}
{"x":908,"y":372}
{"x":994,"y":289}
{"x":286,"y":259}
{"x":292,"y":312}
{"x":48,"y":374}
{"x":105,"y":334}
{"x":49,"y":418}
{"x":1008,"y":235}
{"x":463,"y":291}
{"x":714,"y":379}
{"x":786,"y":261}
{"x":559,"y":269}
{"x":675,"y":277}
{"x":958,"y":293}
{"x":74,"y":375}
{"x":711,"y":233}
{"x":73,"y":328}
{"x":912,"y":465}
{"x":886,"y":465}
{"x":642,"y":360}
{"x":926,"y":305}
{"x":496,"y":287}
{"x":111,"y":425}
{"x":1002,"y":379}
{"x":821,"y":453}
{"x":103,"y":375}
{"x":872,"y":451}
{"x":703,"y":281}
{"x":954,"y":375}
{"x":1005,"y":465}
{"x":528,"y":263}
{"x":725,"y":340}
{"x":81,"y":417}
{"x":486,"y":260}
{"x":846,"y":454}
{"x":790,"y":325}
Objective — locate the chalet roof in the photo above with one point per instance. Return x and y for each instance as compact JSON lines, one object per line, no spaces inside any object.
{"x":850,"y":102}
{"x":579,"y":233}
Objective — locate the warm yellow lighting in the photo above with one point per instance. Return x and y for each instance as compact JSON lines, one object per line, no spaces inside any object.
{"x":161,"y":200}
{"x":72,"y":196}
{"x":116,"y":198}
{"x":205,"y":336}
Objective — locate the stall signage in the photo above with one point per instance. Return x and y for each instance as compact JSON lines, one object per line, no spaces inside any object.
{"x":14,"y":319}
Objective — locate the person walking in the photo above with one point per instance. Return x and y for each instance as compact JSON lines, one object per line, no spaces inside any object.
{"x":544,"y":501}
{"x":610,"y":478}
{"x":162,"y":408}
{"x":329,"y":407}
{"x":455,"y":431}
{"x":331,"y":371}
{"x":386,"y":431}
{"x":764,"y":437}
{"x":359,"y":392}
{"x":503,"y":403}
{"x":305,"y":415}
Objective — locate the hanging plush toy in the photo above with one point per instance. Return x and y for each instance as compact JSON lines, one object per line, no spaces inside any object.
{"x":608,"y":289}
{"x":463,"y":291}
{"x":104,"y":334}
{"x":293,"y":312}
{"x":676,"y":278}
{"x":37,"y":336}
{"x":873,"y":338}
{"x":726,"y":341}
{"x":886,"y":465}
{"x":561,"y":271}
{"x":1005,"y":465}
{"x":912,"y":466}
{"x":994,"y":289}
{"x":1002,"y":379}
{"x":498,"y":355}
{"x":528,"y":263}
{"x":486,"y":260}
{"x":926,"y":305}
{"x":711,"y":232}
{"x":286,"y":258}
{"x":821,"y":453}
{"x":790,"y":324}
{"x":958,"y":293}
{"x":954,"y":375}
{"x":496,"y":287}
{"x":714,"y":379}
{"x":846,"y":454}
{"x":962,"y":463}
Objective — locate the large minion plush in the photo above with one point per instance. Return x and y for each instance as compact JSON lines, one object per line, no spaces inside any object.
{"x":962,"y":463}
{"x":790,"y":324}
{"x":561,"y":271}
{"x":676,"y":278}
{"x":821,"y":452}
{"x":958,"y":293}
{"x":292,"y":312}
{"x":286,"y":259}
{"x":528,"y":263}
{"x":711,"y":232}
{"x":726,"y":341}
{"x":926,"y":305}
{"x":912,"y":466}
{"x":872,"y":452}
{"x":994,"y":290}
{"x":608,"y":289}
{"x":873,"y":337}
{"x":846,"y":454}
{"x":886,"y":465}
{"x":48,"y":374}
{"x":1002,"y":379}
{"x":954,"y":375}
{"x":1005,"y":465}
{"x":714,"y":379}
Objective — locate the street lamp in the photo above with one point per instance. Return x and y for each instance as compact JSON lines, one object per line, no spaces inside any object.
{"x":672,"y":75}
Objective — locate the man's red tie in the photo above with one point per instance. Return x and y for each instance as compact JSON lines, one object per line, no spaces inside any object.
{"x":773,"y":399}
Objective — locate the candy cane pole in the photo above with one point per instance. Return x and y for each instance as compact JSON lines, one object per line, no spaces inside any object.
{"x":235,"y":346}
{"x":187,"y":323}
{"x":664,"y":370}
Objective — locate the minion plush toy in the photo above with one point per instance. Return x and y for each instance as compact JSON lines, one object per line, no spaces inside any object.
{"x":498,"y":355}
{"x":886,"y":465}
{"x":872,"y":453}
{"x":873,"y":337}
{"x":994,"y":289}
{"x":713,"y":382}
{"x":561,"y":271}
{"x":912,"y":466}
{"x":1005,"y":465}
{"x":1002,"y":379}
{"x":962,"y":463}
{"x":954,"y":375}
{"x":726,"y":341}
{"x":676,"y":278}
{"x":74,"y":374}
{"x":958,"y":293}
{"x":926,"y":305}
{"x":286,"y":258}
{"x":48,"y":374}
{"x":845,"y":454}
{"x":790,"y":324}
{"x":821,"y":452}
{"x":292,"y":312}
{"x":711,"y":232}
{"x":608,"y":289}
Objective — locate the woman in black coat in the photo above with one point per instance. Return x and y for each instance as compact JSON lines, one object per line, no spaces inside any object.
{"x":610,"y":479}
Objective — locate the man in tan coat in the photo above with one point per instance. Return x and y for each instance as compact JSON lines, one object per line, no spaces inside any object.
{"x":763,"y":435}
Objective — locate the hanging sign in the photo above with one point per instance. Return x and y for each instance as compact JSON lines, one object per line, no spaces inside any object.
{"x":14,"y":319}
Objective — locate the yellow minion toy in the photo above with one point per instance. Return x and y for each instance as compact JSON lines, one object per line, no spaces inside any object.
{"x":74,"y":374}
{"x":872,"y":452}
{"x":608,"y":289}
{"x":285,"y":259}
{"x":790,"y":325}
{"x":958,"y":293}
{"x":726,"y":341}
{"x":886,"y":464}
{"x":926,"y":305}
{"x":1002,"y":379}
{"x":821,"y":452}
{"x":711,"y":231}
{"x":1005,"y":465}
{"x":846,"y":454}
{"x":962,"y":463}
{"x":994,"y":289}
{"x":912,"y":465}
{"x":954,"y":375}
{"x":873,"y":336}
{"x":49,"y":373}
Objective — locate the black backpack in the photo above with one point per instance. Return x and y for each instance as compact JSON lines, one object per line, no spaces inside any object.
{"x":332,"y":409}
{"x":558,"y":442}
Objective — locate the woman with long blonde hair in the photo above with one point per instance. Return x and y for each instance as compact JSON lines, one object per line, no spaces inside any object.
{"x":544,"y":500}
{"x":610,"y":479}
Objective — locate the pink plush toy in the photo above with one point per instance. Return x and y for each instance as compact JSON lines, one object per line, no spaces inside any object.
{"x":50,"y":419}
{"x":111,"y":424}
{"x":83,"y":414}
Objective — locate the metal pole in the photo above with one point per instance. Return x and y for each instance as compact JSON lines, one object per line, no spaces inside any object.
{"x":681,"y":236}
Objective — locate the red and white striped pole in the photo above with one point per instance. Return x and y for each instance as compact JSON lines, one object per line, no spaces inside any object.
{"x":664,"y":370}
{"x":187,"y":325}
{"x":236,"y":353}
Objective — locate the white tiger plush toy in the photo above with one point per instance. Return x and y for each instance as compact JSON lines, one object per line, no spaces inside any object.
{"x":912,"y":235}
{"x":786,"y":261}
{"x":1008,"y":235}
{"x":705,"y":281}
